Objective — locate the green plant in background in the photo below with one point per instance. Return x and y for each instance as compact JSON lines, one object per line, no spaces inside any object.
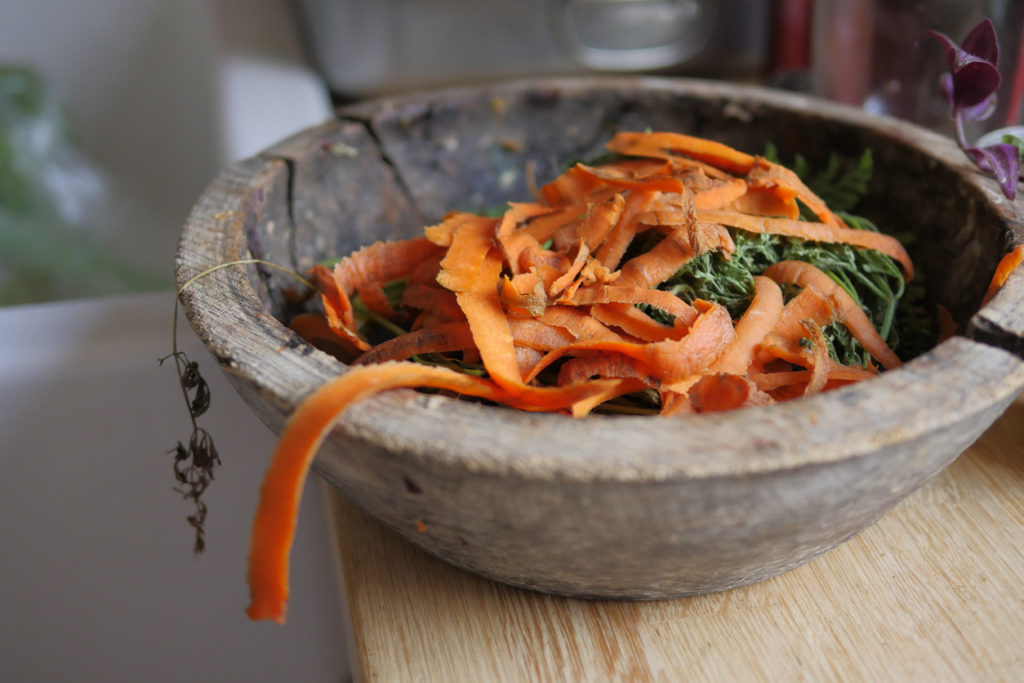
{"x":54,"y":204}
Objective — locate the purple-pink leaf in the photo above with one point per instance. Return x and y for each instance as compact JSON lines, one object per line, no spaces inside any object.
{"x":1002,"y":161}
{"x":974,"y":82}
{"x":980,"y":111}
{"x":972,"y":64}
{"x":982,"y":42}
{"x":970,"y":90}
{"x":951,"y":47}
{"x":946,"y":88}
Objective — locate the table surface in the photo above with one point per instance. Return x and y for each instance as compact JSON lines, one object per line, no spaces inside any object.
{"x":933,"y":591}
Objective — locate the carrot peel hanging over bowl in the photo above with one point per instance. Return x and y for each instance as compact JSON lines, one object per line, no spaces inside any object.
{"x":681,"y":276}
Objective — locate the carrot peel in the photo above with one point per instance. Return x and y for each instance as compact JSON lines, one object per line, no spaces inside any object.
{"x":273,"y":528}
{"x":1007,"y":264}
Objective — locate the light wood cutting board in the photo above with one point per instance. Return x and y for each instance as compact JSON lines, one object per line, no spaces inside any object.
{"x":934,"y":591}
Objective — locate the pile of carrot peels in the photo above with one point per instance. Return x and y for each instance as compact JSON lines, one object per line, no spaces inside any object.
{"x":552,"y":300}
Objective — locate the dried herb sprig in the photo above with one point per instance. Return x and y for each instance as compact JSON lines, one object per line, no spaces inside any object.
{"x":195,"y":462}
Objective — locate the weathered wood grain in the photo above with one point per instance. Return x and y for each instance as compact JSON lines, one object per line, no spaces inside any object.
{"x":342,"y":193}
{"x":225,"y":308}
{"x":1001,"y":323}
{"x":934,"y":591}
{"x":724,"y":502}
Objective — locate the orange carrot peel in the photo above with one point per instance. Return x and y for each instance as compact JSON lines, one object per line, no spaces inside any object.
{"x":1007,"y":264}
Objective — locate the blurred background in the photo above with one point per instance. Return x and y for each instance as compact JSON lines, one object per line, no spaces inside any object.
{"x":115,"y":114}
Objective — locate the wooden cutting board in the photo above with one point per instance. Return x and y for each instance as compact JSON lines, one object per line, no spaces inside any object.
{"x":933,"y":591}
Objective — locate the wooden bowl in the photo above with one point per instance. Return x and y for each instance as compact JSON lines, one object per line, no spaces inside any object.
{"x":619,"y":507}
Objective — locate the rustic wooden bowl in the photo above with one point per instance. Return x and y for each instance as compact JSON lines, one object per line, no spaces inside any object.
{"x":623,"y":507}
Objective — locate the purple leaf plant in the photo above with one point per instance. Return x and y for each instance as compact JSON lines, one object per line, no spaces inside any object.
{"x":970,"y":89}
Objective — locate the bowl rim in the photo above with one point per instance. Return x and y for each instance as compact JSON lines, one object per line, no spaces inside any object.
{"x":806,"y":432}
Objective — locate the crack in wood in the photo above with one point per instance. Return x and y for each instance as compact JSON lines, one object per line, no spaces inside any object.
{"x":289,"y":208}
{"x":985,"y":331}
{"x":400,"y":180}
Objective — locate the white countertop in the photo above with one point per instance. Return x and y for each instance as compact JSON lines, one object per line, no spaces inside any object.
{"x":100,"y":583}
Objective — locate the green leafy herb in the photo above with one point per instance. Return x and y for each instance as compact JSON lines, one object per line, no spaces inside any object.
{"x":841,"y":185}
{"x":1016,"y":142}
{"x":871,"y":278}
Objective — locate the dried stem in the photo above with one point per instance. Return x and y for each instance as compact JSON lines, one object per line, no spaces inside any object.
{"x":195,"y":462}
